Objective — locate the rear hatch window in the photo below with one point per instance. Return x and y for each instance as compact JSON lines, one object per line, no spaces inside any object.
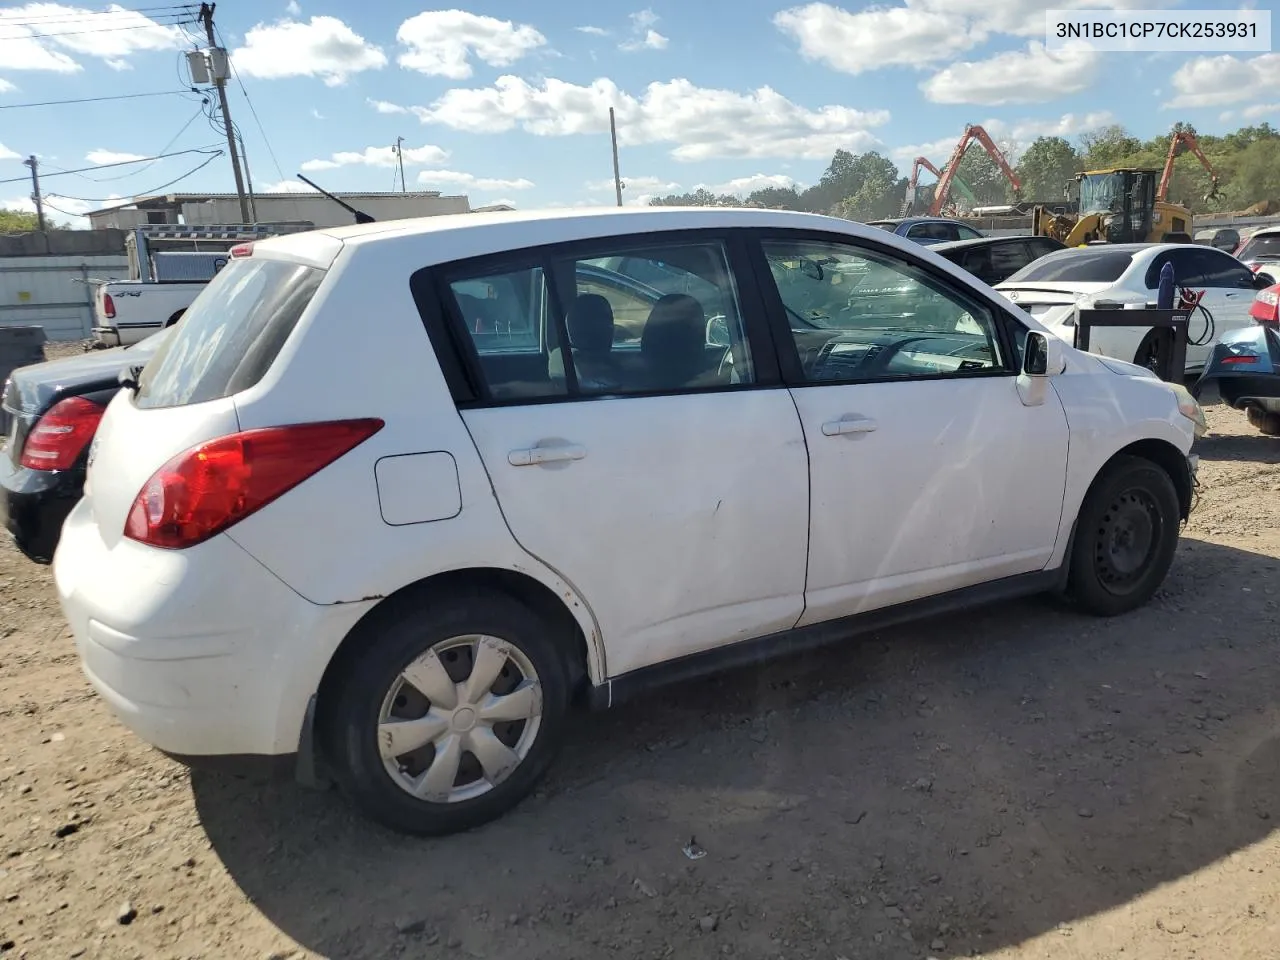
{"x":231,"y":333}
{"x":1266,"y":247}
{"x":1075,"y":266}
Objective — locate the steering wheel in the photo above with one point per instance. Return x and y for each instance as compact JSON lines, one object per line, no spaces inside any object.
{"x":878,"y":360}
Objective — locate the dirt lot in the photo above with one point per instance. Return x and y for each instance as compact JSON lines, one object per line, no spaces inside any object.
{"x":1020,"y":782}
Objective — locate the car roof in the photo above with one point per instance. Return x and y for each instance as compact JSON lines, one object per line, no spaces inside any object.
{"x":903,"y":221}
{"x":501,"y":230}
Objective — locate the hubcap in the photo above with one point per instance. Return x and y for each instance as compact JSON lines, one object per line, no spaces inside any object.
{"x":460,"y":718}
{"x":1126,"y":540}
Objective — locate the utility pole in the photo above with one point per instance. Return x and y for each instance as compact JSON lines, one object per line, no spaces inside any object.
{"x":400,"y":156}
{"x":218,"y":71}
{"x":35,"y":189}
{"x":613,"y":135}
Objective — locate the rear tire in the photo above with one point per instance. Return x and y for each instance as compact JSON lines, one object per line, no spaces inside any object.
{"x":441,"y":786}
{"x":1126,"y":536}
{"x":1265,"y":423}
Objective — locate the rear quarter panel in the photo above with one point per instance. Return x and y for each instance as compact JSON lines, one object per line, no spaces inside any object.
{"x":361,"y":350}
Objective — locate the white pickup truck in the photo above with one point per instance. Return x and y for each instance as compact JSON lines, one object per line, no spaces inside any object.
{"x":126,"y":311}
{"x":169,"y":264}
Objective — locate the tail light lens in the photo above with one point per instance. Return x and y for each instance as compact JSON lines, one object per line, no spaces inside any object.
{"x":205,"y":490}
{"x":108,"y":307}
{"x":60,"y":436}
{"x":1266,"y":306}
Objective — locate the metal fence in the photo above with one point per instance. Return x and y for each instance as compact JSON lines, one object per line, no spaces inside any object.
{"x":54,"y":292}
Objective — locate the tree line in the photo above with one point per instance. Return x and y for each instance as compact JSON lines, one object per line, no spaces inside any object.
{"x":868,"y":186}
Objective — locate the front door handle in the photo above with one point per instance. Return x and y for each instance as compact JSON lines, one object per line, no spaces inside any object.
{"x":533,"y":456}
{"x":847,"y":426}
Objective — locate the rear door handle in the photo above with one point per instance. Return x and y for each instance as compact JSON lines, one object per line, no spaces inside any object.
{"x":848,"y":425}
{"x":533,"y":456}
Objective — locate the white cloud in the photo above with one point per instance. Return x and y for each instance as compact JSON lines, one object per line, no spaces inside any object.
{"x":453,"y":178}
{"x":705,"y":123}
{"x":1213,"y":81}
{"x":758,"y":181}
{"x":915,"y":32}
{"x":593,"y":31}
{"x":650,"y":184}
{"x":7,"y":154}
{"x":316,"y":114}
{"x":1261,"y":110}
{"x":877,"y":37}
{"x":287,"y":186}
{"x":294,"y":8}
{"x":35,"y":34}
{"x":441,"y":42}
{"x":323,"y":47}
{"x":1031,"y":76}
{"x":643,"y":36}
{"x":380,"y":157}
{"x":384,"y":106}
{"x":112,"y":156}
{"x":6,"y":86}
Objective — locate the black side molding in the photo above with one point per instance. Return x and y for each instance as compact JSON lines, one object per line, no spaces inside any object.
{"x":774,"y":646}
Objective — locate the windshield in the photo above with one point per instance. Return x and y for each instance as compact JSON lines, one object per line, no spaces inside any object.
{"x":1075,"y":266}
{"x":1261,"y":248}
{"x":1100,"y":193}
{"x":230,"y":334}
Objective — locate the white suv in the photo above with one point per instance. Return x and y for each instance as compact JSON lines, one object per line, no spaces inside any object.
{"x":365,"y":513}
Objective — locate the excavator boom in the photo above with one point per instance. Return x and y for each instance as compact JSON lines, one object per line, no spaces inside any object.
{"x":971,"y":132}
{"x":1187,"y":140}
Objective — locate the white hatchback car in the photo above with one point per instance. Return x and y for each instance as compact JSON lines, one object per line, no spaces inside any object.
{"x":1129,"y":274}
{"x":364,"y":513}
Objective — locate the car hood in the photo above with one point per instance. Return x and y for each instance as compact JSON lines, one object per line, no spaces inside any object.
{"x":34,"y":387}
{"x":1125,"y":368}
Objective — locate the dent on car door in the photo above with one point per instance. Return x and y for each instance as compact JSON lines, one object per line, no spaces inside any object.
{"x":665,"y":478}
{"x":928,"y":472}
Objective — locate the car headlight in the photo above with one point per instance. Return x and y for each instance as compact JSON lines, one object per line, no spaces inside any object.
{"x":1190,"y":408}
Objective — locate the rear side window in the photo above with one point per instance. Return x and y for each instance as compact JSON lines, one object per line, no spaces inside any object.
{"x":1266,"y":246}
{"x":231,"y":333}
{"x":1075,"y":266}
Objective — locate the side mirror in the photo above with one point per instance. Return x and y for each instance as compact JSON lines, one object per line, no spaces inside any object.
{"x":1035,"y":355}
{"x":718,"y":332}
{"x":1262,"y":282}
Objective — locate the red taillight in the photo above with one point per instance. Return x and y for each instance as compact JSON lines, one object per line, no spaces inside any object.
{"x":108,"y":307}
{"x":205,"y":490}
{"x":60,"y":436}
{"x":241,"y":250}
{"x":1266,"y":306}
{"x":1239,"y":359}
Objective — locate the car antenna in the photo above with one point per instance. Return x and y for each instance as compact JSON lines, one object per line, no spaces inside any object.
{"x":360,"y":215}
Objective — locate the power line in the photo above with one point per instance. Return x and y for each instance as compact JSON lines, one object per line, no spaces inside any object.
{"x":142,"y":193}
{"x":122,"y":96}
{"x":252,"y":109}
{"x":76,"y":33}
{"x":120,"y":163}
{"x":64,"y":16}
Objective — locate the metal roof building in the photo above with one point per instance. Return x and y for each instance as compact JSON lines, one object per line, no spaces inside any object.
{"x":211,"y":208}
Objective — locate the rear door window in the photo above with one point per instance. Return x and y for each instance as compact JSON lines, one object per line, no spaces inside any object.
{"x":231,"y":333}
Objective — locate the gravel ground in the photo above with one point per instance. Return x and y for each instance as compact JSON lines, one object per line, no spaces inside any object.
{"x":1018,"y":782}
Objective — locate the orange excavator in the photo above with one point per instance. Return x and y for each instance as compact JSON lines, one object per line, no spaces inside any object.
{"x":909,"y":200}
{"x":1185,"y":139}
{"x":971,"y":132}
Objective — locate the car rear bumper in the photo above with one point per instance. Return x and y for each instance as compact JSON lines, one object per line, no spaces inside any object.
{"x":33,"y":506}
{"x":108,"y":335}
{"x":190,"y":666}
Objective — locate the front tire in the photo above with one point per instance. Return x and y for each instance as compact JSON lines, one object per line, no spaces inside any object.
{"x":1126,"y":536}
{"x":450,"y":713}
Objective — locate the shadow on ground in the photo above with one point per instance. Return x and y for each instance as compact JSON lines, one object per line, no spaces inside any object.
{"x":951,"y":787}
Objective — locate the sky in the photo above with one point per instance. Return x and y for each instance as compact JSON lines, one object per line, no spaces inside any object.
{"x":508,"y":102}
